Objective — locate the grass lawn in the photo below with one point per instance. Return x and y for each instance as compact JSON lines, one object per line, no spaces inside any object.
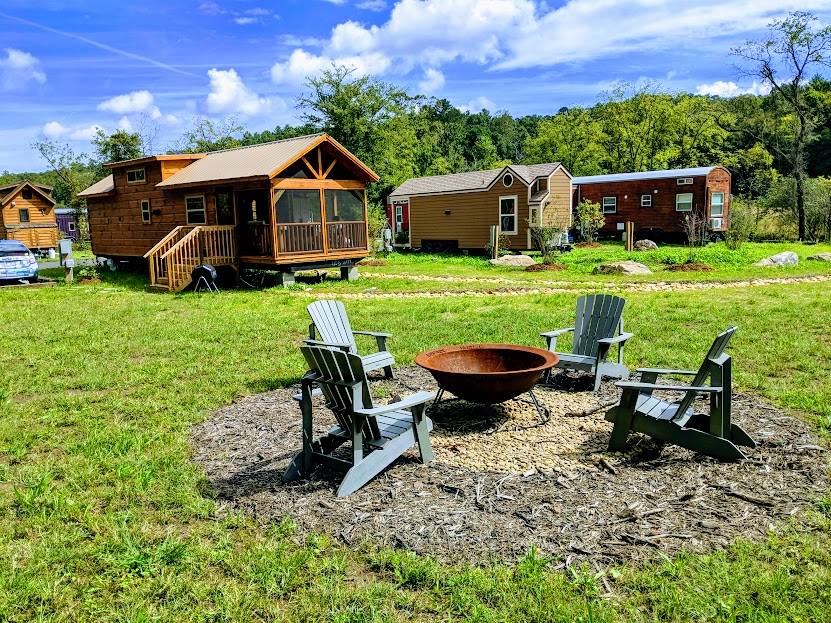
{"x":103,"y":517}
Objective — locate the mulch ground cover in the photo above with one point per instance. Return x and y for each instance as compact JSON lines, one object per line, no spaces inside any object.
{"x":503,"y":480}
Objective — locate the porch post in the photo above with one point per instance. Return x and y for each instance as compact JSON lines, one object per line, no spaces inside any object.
{"x":324,"y":231}
{"x":274,"y":235}
{"x":366,"y":222}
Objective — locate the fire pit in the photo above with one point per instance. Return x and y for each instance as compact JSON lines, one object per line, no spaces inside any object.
{"x":487,"y":373}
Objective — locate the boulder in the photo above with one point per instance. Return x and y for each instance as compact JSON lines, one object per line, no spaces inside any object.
{"x":786,"y":258}
{"x":519,"y":261}
{"x":821,"y":257}
{"x":622,"y":268}
{"x":644,"y":245}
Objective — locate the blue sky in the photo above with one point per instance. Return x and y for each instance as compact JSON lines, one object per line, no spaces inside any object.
{"x":67,"y":68}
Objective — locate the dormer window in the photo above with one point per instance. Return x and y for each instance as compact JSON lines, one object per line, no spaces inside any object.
{"x":135,"y":176}
{"x":508,"y":180}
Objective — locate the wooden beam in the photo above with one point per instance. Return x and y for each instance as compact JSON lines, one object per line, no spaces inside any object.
{"x":311,"y":168}
{"x":329,"y":170}
{"x":301,"y":184}
{"x":320,"y":164}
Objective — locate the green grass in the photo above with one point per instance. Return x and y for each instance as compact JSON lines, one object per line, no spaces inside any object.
{"x":103,"y":517}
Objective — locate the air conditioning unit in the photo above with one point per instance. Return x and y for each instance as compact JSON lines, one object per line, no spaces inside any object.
{"x":716,"y":223}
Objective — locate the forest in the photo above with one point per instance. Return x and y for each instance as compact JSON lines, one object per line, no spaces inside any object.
{"x":777,"y":146}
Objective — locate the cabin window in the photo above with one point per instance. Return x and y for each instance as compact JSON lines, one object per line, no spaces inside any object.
{"x":23,"y":215}
{"x":298,"y":206}
{"x":508,"y":215}
{"x":195,"y":209}
{"x":717,"y":204}
{"x":508,"y":180}
{"x":70,"y":226}
{"x":27,"y":193}
{"x":609,"y":205}
{"x":145,"y":210}
{"x":399,"y":217}
{"x":224,"y":209}
{"x":684,"y":181}
{"x":344,"y":205}
{"x":684,"y":202}
{"x":646,"y":201}
{"x":135,"y":176}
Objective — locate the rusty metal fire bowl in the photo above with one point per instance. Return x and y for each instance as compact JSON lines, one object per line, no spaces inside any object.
{"x":487,"y":373}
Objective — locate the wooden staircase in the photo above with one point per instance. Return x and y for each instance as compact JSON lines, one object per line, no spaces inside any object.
{"x":175,"y":256}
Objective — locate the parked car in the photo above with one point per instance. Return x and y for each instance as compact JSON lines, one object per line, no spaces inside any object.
{"x":17,"y":262}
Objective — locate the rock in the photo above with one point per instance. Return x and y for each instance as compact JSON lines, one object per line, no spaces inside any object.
{"x":821,"y":257}
{"x":622,"y":268}
{"x":786,"y":258}
{"x":521,"y":261}
{"x":645,"y":245}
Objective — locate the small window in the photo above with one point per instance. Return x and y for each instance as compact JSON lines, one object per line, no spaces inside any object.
{"x":683,"y":181}
{"x":27,"y":193}
{"x":23,"y":215}
{"x":609,"y":205}
{"x":508,"y":180}
{"x":717,"y":204}
{"x":145,"y":210}
{"x":684,"y":202}
{"x":135,"y":176}
{"x":399,"y":215}
{"x":507,"y":215}
{"x":646,"y":201}
{"x":71,"y":226}
{"x":195,"y":208}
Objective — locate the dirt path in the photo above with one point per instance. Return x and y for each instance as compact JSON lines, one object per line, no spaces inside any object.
{"x":508,"y":287}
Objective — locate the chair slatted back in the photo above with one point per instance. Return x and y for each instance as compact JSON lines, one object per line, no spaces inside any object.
{"x":715,"y":357}
{"x":343,"y":382}
{"x":598,"y":317}
{"x":332,"y":323}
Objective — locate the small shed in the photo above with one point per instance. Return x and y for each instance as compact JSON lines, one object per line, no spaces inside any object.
{"x":27,"y":214}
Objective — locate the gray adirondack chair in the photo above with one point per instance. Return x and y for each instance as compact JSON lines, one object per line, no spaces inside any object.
{"x":331,"y":322}
{"x":598,"y":327}
{"x":712,"y":434}
{"x":379,"y":435}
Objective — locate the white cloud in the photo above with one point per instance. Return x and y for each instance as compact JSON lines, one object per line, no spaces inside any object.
{"x":478,"y":104}
{"x":372,"y":5}
{"x":54,"y":129}
{"x":337,"y":2}
{"x":258,"y":11}
{"x":302,"y":64}
{"x":230,"y":95}
{"x":720,"y":88}
{"x":211,"y":8}
{"x":133,"y":102}
{"x":19,"y":68}
{"x":85,"y":133}
{"x":125,"y":124}
{"x":432,"y":82}
{"x":244,"y":21}
{"x":295,"y":41}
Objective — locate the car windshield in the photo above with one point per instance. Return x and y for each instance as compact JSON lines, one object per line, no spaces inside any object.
{"x":13,"y":249}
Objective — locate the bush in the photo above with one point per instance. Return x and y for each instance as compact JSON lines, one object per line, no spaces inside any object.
{"x":546,"y":240}
{"x":376,"y":223}
{"x":742,"y":223}
{"x":589,"y":219}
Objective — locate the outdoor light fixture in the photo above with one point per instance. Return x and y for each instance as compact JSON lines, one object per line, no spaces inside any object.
{"x":447,"y":211}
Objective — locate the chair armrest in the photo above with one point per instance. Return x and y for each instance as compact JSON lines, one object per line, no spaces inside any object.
{"x":344,"y":347}
{"x":666,"y":371}
{"x":413,"y":400}
{"x":556,"y":332}
{"x":372,"y":333}
{"x":616,"y":339}
{"x":670,"y":388}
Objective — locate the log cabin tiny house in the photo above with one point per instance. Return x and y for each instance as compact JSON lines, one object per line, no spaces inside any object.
{"x":449,"y":212}
{"x":286,"y":205}
{"x":27,"y":214}
{"x":657,"y":201}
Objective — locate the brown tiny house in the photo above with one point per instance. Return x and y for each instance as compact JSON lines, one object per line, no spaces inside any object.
{"x":27,"y":214}
{"x":285,"y":205}
{"x":457,"y":211}
{"x":657,"y":201}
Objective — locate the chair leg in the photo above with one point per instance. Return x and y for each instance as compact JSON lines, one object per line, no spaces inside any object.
{"x":598,"y":376}
{"x":622,"y":418}
{"x":387,"y":372}
{"x":422,"y":434}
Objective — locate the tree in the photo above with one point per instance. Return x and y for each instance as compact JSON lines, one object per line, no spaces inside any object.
{"x":572,"y":137}
{"x":590,"y":219}
{"x":207,"y":135}
{"x":115,"y":147}
{"x":785,"y":61}
{"x":72,"y":174}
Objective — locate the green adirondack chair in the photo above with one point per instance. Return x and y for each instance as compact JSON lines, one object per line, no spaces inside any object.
{"x":379,"y":435}
{"x":331,"y":322}
{"x":712,"y":434}
{"x":598,"y":327}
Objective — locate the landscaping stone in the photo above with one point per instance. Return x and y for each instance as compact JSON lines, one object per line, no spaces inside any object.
{"x":645,"y":245}
{"x":821,"y":257}
{"x":786,"y":258}
{"x":626,"y":267}
{"x":520,"y":261}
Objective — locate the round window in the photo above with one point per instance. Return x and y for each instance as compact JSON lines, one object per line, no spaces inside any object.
{"x":508,"y":180}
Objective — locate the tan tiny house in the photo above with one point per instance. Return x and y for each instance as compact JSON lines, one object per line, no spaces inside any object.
{"x":286,"y":205}
{"x":457,"y":211}
{"x":27,"y":214}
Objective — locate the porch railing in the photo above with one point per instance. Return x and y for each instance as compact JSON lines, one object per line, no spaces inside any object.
{"x":175,"y":256}
{"x":258,"y":239}
{"x":346,"y":235}
{"x":300,"y":237}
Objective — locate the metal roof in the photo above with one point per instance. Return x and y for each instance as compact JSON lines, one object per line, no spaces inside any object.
{"x":472,"y":180}
{"x":100,"y":187}
{"x":642,"y":175}
{"x":10,"y":191}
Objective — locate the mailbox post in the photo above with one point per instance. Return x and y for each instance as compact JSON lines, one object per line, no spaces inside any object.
{"x":64,"y":250}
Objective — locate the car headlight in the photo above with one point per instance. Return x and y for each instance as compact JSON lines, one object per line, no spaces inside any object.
{"x":32,"y":260}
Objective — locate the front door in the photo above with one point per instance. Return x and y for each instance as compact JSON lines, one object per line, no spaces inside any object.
{"x":254,"y":219}
{"x":225,"y":208}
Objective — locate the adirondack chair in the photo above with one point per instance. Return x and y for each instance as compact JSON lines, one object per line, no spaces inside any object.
{"x":331,"y":322}
{"x":379,"y":435}
{"x":599,"y":317}
{"x":712,"y":434}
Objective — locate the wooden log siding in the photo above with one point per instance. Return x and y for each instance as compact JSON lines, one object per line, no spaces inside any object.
{"x":39,"y":232}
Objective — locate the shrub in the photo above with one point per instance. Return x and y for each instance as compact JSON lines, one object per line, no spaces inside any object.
{"x":589,"y":219}
{"x":546,"y":240}
{"x":695,"y":229}
{"x":742,"y":223}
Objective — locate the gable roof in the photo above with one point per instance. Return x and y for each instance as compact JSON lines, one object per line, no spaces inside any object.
{"x":472,"y":180}
{"x":643,"y":175}
{"x":9,"y":192}
{"x":256,"y":161}
{"x":101,"y":187}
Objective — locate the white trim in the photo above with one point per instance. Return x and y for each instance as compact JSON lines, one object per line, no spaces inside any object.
{"x":143,"y":211}
{"x":204,"y":209}
{"x":713,"y":194}
{"x":515,"y":231}
{"x":646,"y":196}
{"x":70,"y":226}
{"x":692,"y":201}
{"x":603,"y":204}
{"x":684,"y":181}
{"x":143,"y":179}
{"x":505,"y":177}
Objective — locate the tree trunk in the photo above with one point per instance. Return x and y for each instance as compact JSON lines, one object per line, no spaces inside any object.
{"x":800,"y":203}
